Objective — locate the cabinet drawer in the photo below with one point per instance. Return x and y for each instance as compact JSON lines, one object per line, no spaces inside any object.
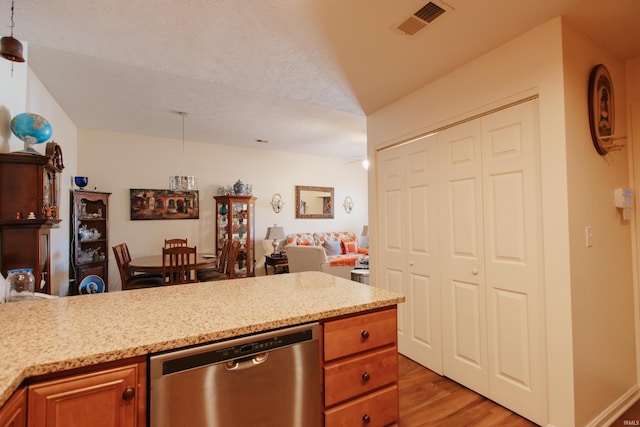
{"x":373,"y":410}
{"x":359,"y":333}
{"x":359,"y":375}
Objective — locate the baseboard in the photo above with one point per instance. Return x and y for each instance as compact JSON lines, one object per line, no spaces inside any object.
{"x":617,"y":408}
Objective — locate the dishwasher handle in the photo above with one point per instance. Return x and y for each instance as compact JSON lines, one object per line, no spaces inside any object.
{"x":246,"y":362}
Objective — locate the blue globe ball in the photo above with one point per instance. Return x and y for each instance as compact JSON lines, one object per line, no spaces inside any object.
{"x":31,"y":128}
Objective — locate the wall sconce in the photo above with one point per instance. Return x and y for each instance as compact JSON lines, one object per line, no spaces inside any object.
{"x":277,"y":203}
{"x":348,"y":204}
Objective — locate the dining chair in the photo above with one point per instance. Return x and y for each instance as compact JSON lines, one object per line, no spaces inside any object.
{"x":226,"y":264}
{"x":128,"y":279}
{"x":214,"y":273}
{"x":172,"y":243}
{"x":179,"y":265}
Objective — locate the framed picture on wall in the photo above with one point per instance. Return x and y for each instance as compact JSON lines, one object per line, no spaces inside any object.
{"x":601,"y":109}
{"x":163,"y":204}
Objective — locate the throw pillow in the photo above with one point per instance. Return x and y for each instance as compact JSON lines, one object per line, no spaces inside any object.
{"x":305,"y":243}
{"x":332,"y":247}
{"x":349,"y":246}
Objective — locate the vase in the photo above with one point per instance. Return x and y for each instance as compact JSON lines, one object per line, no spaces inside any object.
{"x":239,"y":188}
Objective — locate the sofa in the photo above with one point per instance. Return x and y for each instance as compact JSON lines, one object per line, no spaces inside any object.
{"x":335,"y":253}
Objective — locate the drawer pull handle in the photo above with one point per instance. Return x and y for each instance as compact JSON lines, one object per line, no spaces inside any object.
{"x":365,"y":377}
{"x":128,"y":393}
{"x":364,"y":334}
{"x":366,"y":419}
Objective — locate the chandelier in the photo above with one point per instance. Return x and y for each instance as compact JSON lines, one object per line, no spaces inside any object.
{"x":182,"y":182}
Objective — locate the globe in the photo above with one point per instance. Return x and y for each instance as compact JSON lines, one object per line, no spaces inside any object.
{"x":31,"y":128}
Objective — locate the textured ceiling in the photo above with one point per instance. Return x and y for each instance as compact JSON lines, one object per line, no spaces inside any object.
{"x":301,"y":74}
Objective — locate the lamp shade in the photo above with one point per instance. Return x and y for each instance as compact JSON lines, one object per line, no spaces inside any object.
{"x":275,"y":233}
{"x":365,"y":230}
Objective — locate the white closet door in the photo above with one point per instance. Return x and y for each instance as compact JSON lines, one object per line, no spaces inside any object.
{"x":462,"y":257}
{"x":409,"y":246}
{"x":513,"y":259}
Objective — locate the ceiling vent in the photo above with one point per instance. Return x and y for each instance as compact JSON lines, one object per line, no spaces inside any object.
{"x":419,"y":20}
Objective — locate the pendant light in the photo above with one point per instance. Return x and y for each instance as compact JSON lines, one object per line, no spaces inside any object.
{"x":10,"y":47}
{"x":182,"y":182}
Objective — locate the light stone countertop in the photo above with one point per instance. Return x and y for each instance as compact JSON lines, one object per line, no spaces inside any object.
{"x":44,"y":336}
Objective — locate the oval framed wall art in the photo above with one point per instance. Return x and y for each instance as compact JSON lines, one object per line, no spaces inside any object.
{"x":601,"y":109}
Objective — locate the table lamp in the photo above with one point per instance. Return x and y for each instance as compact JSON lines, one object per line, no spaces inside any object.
{"x":275,"y":233}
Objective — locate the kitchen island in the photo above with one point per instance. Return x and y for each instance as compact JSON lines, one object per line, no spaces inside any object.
{"x":48,"y":336}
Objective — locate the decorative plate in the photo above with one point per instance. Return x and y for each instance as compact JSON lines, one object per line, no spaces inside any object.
{"x":601,"y":109}
{"x":91,"y":285}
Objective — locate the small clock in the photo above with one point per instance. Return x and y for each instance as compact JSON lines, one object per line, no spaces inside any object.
{"x":601,"y":109}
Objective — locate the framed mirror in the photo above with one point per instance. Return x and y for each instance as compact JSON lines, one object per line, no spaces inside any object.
{"x":314,"y":202}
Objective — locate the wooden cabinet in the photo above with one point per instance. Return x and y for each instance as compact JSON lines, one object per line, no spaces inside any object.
{"x":360,"y":368}
{"x":114,"y":396}
{"x":14,"y":412}
{"x":29,"y":197}
{"x":235,"y":219}
{"x":89,"y":236}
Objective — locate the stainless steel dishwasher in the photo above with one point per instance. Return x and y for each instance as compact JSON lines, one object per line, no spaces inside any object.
{"x":267,"y":379}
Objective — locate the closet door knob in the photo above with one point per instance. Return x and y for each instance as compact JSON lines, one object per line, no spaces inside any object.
{"x":474,"y":271}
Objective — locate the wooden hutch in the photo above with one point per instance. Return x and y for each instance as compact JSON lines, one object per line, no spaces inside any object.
{"x":29,"y":208}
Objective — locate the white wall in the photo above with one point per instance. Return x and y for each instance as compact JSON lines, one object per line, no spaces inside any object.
{"x":602,"y":283}
{"x":65,"y":133}
{"x":117,"y":162}
{"x":13,"y":89}
{"x":533,"y":65}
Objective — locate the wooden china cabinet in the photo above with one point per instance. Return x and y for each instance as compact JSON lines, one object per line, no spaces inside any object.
{"x":89,"y":233}
{"x":29,"y":208}
{"x":235,"y":219}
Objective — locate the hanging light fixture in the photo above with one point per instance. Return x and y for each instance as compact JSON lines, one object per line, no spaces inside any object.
{"x":10,"y":47}
{"x":182,"y":182}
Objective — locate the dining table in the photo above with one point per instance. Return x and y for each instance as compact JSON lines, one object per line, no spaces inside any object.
{"x":153,"y":263}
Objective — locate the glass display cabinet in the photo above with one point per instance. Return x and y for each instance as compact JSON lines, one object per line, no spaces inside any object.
{"x":235,"y":220}
{"x":89,"y":237}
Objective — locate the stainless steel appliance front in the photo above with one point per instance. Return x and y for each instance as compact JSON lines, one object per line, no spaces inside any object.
{"x":267,"y":379}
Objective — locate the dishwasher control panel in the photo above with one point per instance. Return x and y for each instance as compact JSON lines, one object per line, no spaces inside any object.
{"x":237,"y":351}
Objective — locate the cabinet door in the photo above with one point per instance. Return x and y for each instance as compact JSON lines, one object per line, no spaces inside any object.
{"x":112,"y":397}
{"x":14,"y":412}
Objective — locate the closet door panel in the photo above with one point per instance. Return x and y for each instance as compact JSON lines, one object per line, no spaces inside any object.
{"x":513,"y":250}
{"x":467,"y":339}
{"x":409,"y":246}
{"x":422,"y":250}
{"x":462,"y":257}
{"x":391,"y":262}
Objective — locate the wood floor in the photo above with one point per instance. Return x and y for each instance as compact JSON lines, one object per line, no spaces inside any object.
{"x":427,"y":399}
